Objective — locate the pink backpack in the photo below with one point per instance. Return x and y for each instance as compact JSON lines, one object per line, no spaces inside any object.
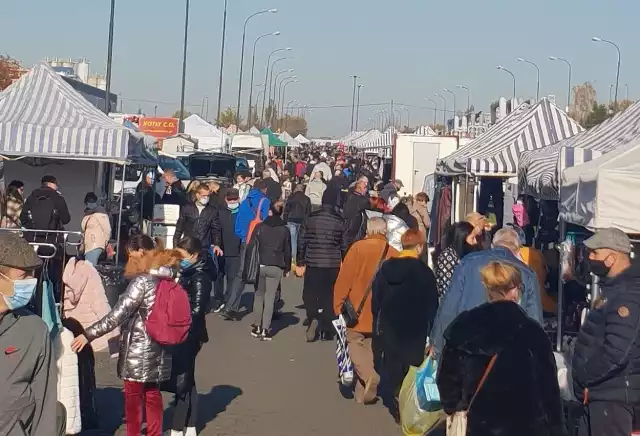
{"x":170,"y":317}
{"x":520,"y":214}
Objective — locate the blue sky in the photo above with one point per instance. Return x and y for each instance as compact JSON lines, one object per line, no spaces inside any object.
{"x":404,"y":50}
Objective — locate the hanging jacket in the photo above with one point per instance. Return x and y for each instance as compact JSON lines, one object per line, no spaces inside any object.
{"x":140,"y":359}
{"x":67,"y":384}
{"x":85,"y":300}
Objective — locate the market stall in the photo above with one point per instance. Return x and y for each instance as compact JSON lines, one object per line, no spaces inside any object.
{"x":539,"y":171}
{"x":291,"y":142}
{"x":209,"y":137}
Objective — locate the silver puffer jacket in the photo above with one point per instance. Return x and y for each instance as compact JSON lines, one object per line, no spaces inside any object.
{"x":396,"y":227}
{"x":140,"y":358}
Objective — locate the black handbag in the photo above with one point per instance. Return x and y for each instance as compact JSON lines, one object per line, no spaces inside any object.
{"x":251,"y":268}
{"x":348,"y":311}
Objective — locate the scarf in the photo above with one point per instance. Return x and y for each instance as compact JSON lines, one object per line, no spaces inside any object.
{"x":408,"y":253}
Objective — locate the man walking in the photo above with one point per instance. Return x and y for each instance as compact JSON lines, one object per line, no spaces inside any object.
{"x":200,"y":220}
{"x":228,"y":264}
{"x":254,"y":208}
{"x":296,"y":210}
{"x":321,"y":247}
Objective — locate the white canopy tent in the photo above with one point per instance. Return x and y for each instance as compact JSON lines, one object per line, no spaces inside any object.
{"x":254,"y":130}
{"x":302,"y":140}
{"x":599,"y":194}
{"x":292,"y":143}
{"x":209,"y":136}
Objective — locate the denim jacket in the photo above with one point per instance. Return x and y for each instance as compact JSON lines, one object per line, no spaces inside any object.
{"x":467,"y":291}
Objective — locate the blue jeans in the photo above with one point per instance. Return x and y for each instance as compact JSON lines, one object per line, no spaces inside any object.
{"x":294,"y":228}
{"x":92,"y":256}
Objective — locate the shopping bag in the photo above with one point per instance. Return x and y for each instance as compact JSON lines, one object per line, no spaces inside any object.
{"x":343,"y":358}
{"x":251,"y":262}
{"x":426,"y":387}
{"x":457,"y":424}
{"x":414,"y":420}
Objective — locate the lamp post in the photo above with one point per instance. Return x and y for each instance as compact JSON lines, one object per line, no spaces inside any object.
{"x":454,"y":100}
{"x":597,"y":39}
{"x":353,"y":99}
{"x":276,"y":103}
{"x":444,"y":111}
{"x":224,"y":34}
{"x":377,"y":114}
{"x":277,"y":97}
{"x":397,"y":111}
{"x":555,"y":58}
{"x":266,"y":77}
{"x":275,"y":82}
{"x":184,"y":66}
{"x":468,"y":96}
{"x":244,"y":36}
{"x":292,"y":79}
{"x":360,"y":86}
{"x":155,"y":111}
{"x":435,"y":110}
{"x":408,"y":115}
{"x":107,"y":100}
{"x":610,"y":90}
{"x":537,"y":77}
{"x":253,"y":64}
{"x":250,"y":118}
{"x":500,"y":67}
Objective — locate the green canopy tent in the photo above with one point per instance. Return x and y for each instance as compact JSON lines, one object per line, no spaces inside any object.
{"x":274,"y":141}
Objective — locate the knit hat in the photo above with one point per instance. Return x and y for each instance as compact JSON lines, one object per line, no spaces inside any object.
{"x":15,"y":252}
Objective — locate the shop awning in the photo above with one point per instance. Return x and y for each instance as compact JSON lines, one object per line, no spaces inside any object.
{"x":274,"y":141}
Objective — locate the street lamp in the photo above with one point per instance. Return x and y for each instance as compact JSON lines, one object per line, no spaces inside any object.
{"x":292,"y":79}
{"x":276,"y":103}
{"x":538,"y":75}
{"x":454,"y":102}
{"x":360,"y":86}
{"x":597,"y":39}
{"x":500,"y":67}
{"x":224,"y":34}
{"x":184,"y":66}
{"x":353,"y":100}
{"x":555,"y":58}
{"x":397,"y":111}
{"x":266,"y":77}
{"x":468,"y":96}
{"x":277,"y":100}
{"x":253,"y":64}
{"x":444,"y":111}
{"x":435,"y":110}
{"x":244,"y":36}
{"x":408,"y":115}
{"x":107,"y":100}
{"x":275,"y":82}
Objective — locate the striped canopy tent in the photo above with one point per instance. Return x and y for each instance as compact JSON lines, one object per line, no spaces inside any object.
{"x":41,"y":115}
{"x":425,"y":131}
{"x":540,"y":170}
{"x":350,"y":137}
{"x":496,"y":153}
{"x":367,"y":138}
{"x":379,"y":144}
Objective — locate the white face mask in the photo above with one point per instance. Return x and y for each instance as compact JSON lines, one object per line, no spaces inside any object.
{"x":204,"y":201}
{"x":233,"y":206}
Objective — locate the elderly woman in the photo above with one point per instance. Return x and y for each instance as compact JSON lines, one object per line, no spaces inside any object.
{"x":498,"y":364}
{"x":404,"y":305}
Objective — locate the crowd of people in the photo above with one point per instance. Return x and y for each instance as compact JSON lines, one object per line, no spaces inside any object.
{"x":361,"y":250}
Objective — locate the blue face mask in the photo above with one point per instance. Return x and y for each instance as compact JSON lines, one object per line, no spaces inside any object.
{"x":185,"y":264}
{"x":22,"y":292}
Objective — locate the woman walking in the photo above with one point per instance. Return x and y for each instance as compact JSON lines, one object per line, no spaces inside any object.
{"x":404,"y":305}
{"x":142,"y":363}
{"x":274,"y":247}
{"x":195,"y":279}
{"x":460,"y":240}
{"x":497,"y":364}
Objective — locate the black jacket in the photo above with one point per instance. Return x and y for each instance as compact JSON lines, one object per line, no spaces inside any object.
{"x":606,"y":359}
{"x":149,"y":198}
{"x":197,"y":282}
{"x":297,"y":209}
{"x":274,"y":243}
{"x":322,"y":240}
{"x":337,"y":185}
{"x":203,"y":225}
{"x":521,"y":394}
{"x":62,"y":210}
{"x":176,"y":195}
{"x":353,"y":208}
{"x":404,"y":301}
{"x":274,"y":190}
{"x":230,"y":241}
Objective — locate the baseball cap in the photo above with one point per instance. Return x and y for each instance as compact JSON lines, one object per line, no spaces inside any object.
{"x":15,"y":252}
{"x":611,"y":238}
{"x":232,"y":194}
{"x":399,"y":183}
{"x":49,"y":179}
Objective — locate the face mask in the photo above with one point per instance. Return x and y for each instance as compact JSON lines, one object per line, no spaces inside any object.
{"x":233,"y":206}
{"x":92,"y":206}
{"x":22,"y":292}
{"x":185,"y":263}
{"x":599,"y":268}
{"x":204,"y":201}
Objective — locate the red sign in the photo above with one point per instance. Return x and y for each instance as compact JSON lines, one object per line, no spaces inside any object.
{"x":159,"y":127}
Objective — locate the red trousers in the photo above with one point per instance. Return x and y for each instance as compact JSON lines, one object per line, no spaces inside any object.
{"x":137,"y":395}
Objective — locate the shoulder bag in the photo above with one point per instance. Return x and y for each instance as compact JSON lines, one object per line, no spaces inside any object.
{"x":457,"y":423}
{"x":348,"y":311}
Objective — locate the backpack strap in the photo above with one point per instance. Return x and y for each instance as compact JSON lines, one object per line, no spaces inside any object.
{"x":368,"y":291}
{"x":259,"y":208}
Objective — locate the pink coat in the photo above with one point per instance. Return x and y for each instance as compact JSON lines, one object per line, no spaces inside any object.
{"x":85,"y":299}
